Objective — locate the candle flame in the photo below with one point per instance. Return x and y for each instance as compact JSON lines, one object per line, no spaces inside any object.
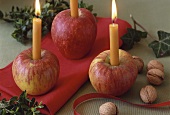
{"x":37,"y":8}
{"x":114,"y":10}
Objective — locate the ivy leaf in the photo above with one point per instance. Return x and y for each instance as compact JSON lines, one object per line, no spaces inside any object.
{"x":161,"y":48}
{"x":131,"y":37}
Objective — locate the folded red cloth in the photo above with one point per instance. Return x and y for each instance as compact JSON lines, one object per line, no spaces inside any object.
{"x":73,"y":73}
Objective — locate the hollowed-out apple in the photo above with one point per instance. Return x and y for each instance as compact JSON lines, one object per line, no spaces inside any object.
{"x":35,"y":76}
{"x":114,"y":80}
{"x":74,"y":37}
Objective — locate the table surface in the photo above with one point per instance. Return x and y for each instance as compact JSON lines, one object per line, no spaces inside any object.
{"x":10,"y":48}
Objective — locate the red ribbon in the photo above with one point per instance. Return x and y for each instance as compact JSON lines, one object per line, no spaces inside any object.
{"x":99,"y":95}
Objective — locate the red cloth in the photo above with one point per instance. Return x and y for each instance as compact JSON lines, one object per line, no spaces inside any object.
{"x":73,"y":73}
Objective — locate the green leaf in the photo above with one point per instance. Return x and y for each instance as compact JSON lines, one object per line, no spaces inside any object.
{"x":1,"y":14}
{"x":40,"y":106}
{"x":3,"y":105}
{"x":12,"y":100}
{"x":47,"y":5}
{"x":131,"y":37}
{"x":161,"y":48}
{"x":37,"y":112}
{"x":17,"y":8}
{"x":13,"y":8}
{"x":33,"y":109}
{"x":32,"y":103}
{"x":82,"y":4}
{"x":90,"y":8}
{"x":20,"y":106}
{"x":3,"y":112}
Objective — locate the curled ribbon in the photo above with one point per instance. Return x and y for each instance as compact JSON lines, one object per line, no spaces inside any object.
{"x":86,"y":97}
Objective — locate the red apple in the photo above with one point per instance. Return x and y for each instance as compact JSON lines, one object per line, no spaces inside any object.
{"x":114,"y":80}
{"x":35,"y":76}
{"x":74,"y":37}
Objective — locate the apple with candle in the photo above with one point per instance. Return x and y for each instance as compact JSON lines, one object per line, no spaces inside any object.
{"x":110,"y":79}
{"x":36,"y":70}
{"x":113,"y":71}
{"x":35,"y":76}
{"x":74,"y":31}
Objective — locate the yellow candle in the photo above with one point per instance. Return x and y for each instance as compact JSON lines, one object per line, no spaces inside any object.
{"x":114,"y":40}
{"x":37,"y":22}
{"x":74,"y":8}
{"x":114,"y":45}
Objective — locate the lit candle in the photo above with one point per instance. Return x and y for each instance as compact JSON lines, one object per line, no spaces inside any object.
{"x":114,"y":41}
{"x":74,"y":8}
{"x":37,"y":22}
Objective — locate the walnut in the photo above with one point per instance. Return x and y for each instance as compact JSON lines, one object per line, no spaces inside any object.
{"x":139,"y":62}
{"x":154,"y":64}
{"x":148,"y":94}
{"x":155,"y":76}
{"x":108,"y":108}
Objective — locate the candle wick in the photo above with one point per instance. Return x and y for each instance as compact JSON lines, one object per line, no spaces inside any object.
{"x":114,"y":20}
{"x":37,"y":16}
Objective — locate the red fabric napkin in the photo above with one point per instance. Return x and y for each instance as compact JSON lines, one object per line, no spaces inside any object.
{"x":73,"y":73}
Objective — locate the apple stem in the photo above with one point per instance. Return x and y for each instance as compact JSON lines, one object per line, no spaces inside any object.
{"x":136,"y":23}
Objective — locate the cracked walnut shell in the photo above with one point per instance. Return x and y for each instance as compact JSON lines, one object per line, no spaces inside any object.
{"x":148,"y":94}
{"x":108,"y":108}
{"x":155,"y":76}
